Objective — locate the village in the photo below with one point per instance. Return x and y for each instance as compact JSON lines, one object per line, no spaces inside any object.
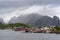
{"x":46,"y":29}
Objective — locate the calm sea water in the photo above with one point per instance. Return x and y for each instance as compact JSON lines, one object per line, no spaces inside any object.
{"x":12,"y":35}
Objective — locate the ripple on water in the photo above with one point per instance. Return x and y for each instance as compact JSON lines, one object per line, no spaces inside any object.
{"x":13,"y":35}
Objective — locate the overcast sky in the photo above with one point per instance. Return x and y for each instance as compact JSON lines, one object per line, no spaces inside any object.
{"x":10,"y":8}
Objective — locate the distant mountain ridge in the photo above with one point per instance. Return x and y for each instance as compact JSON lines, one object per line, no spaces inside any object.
{"x":47,"y":21}
{"x":36,"y":20}
{"x":24,"y":18}
{"x":1,"y":21}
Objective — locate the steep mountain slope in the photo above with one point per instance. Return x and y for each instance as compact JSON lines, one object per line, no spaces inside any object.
{"x":25,"y":18}
{"x":36,"y":20}
{"x":47,"y":21}
{"x":1,"y":21}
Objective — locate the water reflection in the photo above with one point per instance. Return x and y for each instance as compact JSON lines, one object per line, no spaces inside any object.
{"x":12,"y":35}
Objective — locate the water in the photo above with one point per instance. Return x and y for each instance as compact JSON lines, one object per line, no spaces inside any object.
{"x":12,"y":35}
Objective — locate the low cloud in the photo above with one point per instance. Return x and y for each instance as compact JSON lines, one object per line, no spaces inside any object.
{"x":48,"y":10}
{"x":10,"y":8}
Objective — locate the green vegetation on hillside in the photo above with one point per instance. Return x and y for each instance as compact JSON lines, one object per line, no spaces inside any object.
{"x":14,"y":25}
{"x":57,"y":29}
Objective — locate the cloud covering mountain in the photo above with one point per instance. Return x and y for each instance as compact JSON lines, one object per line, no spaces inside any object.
{"x":10,"y":8}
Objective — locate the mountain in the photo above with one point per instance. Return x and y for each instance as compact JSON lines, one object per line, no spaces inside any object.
{"x":1,"y":21}
{"x":12,"y":20}
{"x":36,"y":20}
{"x":56,"y":20}
{"x":47,"y":21}
{"x":25,"y":18}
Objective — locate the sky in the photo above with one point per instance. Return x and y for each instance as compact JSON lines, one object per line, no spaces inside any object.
{"x":11,"y":8}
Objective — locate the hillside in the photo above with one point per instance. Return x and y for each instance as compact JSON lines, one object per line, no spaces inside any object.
{"x":36,"y":20}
